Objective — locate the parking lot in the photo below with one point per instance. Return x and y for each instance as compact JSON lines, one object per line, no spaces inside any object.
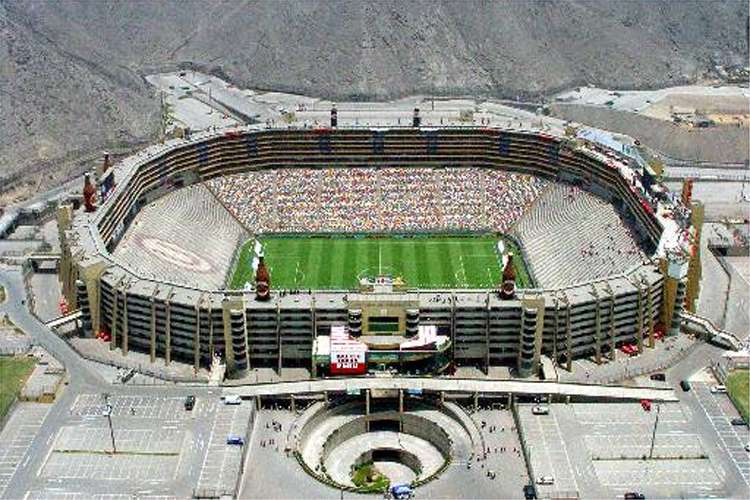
{"x":222,"y":463}
{"x":547,"y":452}
{"x":107,"y":467}
{"x":598,"y":451}
{"x":63,"y":495}
{"x":159,"y":408}
{"x":731,"y":438}
{"x":160,"y":446}
{"x":162,"y":441}
{"x":17,"y":436}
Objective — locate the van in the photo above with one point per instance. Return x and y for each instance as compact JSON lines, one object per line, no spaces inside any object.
{"x":718,"y":389}
{"x":658,"y":377}
{"x":685,"y":385}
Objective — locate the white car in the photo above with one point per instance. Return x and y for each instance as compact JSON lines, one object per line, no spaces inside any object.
{"x":545,"y":480}
{"x":232,"y":400}
{"x":540,"y":410}
{"x":718,"y":389}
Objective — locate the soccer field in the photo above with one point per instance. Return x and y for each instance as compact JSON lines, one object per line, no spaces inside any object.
{"x":338,"y":263}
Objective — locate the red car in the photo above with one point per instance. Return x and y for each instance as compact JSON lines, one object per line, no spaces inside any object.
{"x":646,"y":404}
{"x":629,"y":349}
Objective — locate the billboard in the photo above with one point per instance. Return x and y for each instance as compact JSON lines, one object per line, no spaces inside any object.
{"x":348,"y":363}
{"x":348,"y":355}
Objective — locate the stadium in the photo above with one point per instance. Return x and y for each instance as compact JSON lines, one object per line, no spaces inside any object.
{"x":340,"y":250}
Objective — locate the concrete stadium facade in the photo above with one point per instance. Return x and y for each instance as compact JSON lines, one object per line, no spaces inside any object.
{"x":172,"y":321}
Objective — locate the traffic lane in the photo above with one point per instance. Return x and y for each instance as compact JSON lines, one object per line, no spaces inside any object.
{"x":15,"y":307}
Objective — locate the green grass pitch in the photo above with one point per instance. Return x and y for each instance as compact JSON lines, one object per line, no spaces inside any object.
{"x":339,"y":262}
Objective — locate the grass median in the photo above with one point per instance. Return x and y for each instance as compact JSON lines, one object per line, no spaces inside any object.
{"x":13,"y":374}
{"x":738,"y":387}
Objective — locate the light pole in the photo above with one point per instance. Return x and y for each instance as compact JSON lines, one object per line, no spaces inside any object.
{"x":108,"y":413}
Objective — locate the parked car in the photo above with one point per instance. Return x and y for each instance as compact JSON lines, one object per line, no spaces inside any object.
{"x":685,"y":385}
{"x":189,"y":403}
{"x":232,"y":400}
{"x":658,"y":376}
{"x":529,"y":492}
{"x":646,"y":404}
{"x":634,"y":495}
{"x":545,"y":480}
{"x":738,"y":421}
{"x":540,"y":410}
{"x":719,"y":389}
{"x":235,"y":440}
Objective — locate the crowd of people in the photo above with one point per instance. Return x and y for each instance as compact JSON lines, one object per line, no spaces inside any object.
{"x":367,"y":199}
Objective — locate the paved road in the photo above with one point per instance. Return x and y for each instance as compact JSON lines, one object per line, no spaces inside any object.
{"x":482,"y":386}
{"x":720,"y":448}
{"x":85,"y":378}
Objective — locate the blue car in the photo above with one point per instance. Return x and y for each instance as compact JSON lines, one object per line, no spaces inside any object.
{"x":401,"y":491}
{"x":235,"y":440}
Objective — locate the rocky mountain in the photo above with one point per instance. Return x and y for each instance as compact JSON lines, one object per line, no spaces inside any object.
{"x":71,"y":72}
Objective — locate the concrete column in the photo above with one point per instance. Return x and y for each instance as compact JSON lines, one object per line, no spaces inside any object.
{"x":152,"y":347}
{"x":115,"y":310}
{"x":611,"y":325}
{"x":650,"y":300}
{"x":639,"y":332}
{"x":476,"y":401}
{"x":168,"y":333}
{"x":597,"y":327}
{"x":197,"y":338}
{"x":210,"y":332}
{"x":487,"y":334}
{"x":124,"y":323}
{"x":401,"y":410}
{"x":292,"y":402}
{"x":367,"y":409}
{"x":278,"y":337}
{"x":569,"y":338}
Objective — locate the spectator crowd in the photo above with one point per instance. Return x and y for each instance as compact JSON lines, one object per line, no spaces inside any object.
{"x":391,"y":199}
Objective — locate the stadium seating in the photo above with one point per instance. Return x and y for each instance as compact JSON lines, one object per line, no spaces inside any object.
{"x":571,"y":236}
{"x":377,"y":200}
{"x":164,"y":240}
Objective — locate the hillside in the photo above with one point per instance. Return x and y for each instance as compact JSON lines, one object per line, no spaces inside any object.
{"x":71,"y":71}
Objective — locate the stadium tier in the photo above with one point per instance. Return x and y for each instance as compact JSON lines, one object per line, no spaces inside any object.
{"x":606,"y":245}
{"x":167,"y":241}
{"x":385,"y":200}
